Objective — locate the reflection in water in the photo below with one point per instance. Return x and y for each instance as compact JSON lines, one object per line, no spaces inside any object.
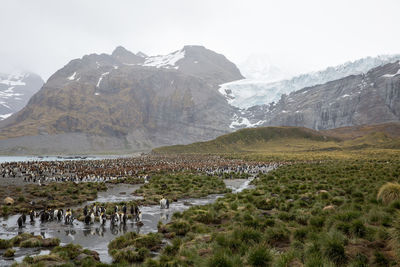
{"x":96,"y":237}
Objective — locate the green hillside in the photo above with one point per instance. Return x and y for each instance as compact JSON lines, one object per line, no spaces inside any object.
{"x":257,"y":139}
{"x":292,"y":139}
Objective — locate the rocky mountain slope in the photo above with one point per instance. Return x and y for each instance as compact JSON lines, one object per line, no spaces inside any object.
{"x":16,"y":90}
{"x":369,"y":98}
{"x":259,"y":91}
{"x":125,"y":101}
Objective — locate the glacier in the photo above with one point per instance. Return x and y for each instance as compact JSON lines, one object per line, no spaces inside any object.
{"x":259,"y":91}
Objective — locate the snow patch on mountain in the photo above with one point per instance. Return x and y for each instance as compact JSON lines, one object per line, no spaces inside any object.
{"x":5,"y":116}
{"x":247,"y":93}
{"x":391,"y":75}
{"x":240,"y":122}
{"x":165,"y":61}
{"x":101,"y":78}
{"x":15,"y":91}
{"x":72,"y":77}
{"x":13,"y":79}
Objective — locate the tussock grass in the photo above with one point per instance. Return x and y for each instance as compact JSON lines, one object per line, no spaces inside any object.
{"x":285,"y":215}
{"x":389,"y":192}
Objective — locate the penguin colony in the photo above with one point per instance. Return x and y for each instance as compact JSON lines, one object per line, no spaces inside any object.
{"x":91,"y":213}
{"x":110,"y":169}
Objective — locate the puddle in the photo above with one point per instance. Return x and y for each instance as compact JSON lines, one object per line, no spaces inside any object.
{"x":118,"y":193}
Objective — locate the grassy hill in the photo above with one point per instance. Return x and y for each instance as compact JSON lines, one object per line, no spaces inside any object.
{"x":295,"y":139}
{"x":392,"y":130}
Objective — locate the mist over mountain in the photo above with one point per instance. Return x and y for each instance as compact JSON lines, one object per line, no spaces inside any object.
{"x":262,"y":68}
{"x":16,"y":90}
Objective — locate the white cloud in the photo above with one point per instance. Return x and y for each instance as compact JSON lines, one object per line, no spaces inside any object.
{"x":43,"y":35}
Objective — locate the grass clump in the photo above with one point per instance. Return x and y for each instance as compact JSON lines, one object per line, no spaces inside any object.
{"x":132,"y":247}
{"x":259,"y":256}
{"x":389,"y":193}
{"x":9,"y":253}
{"x":4,"y":244}
{"x":68,"y":255}
{"x":31,"y":243}
{"x":334,"y":250}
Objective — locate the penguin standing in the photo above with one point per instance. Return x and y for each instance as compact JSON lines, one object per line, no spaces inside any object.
{"x":123,"y":218}
{"x":132,"y":211}
{"x":68,"y":217}
{"x":32,"y":215}
{"x":92,"y":217}
{"x":139,"y":219}
{"x":87,"y":219}
{"x":23,"y":218}
{"x":59,"y":214}
{"x":103,"y":218}
{"x":19,"y":222}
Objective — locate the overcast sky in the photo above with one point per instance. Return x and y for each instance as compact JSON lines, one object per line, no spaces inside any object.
{"x":299,"y":35}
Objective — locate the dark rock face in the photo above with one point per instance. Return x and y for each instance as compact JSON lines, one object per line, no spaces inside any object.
{"x":127,"y":57}
{"x":16,"y":90}
{"x":207,"y":64}
{"x":369,"y":98}
{"x":132,"y":102}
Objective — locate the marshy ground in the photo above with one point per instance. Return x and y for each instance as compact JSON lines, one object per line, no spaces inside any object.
{"x":184,"y":189}
{"x":319,"y":209}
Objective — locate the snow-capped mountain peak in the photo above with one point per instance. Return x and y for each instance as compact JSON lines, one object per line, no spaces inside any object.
{"x":13,"y":79}
{"x":15,"y":91}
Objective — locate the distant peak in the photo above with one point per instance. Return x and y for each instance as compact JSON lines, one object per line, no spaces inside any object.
{"x":125,"y":56}
{"x":120,"y":50}
{"x":193,"y":47}
{"x":141,"y":54}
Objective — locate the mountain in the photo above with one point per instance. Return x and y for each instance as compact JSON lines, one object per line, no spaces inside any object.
{"x":251,"y":92}
{"x":370,"y":98}
{"x":294,"y":139}
{"x":125,"y":102}
{"x":16,"y":90}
